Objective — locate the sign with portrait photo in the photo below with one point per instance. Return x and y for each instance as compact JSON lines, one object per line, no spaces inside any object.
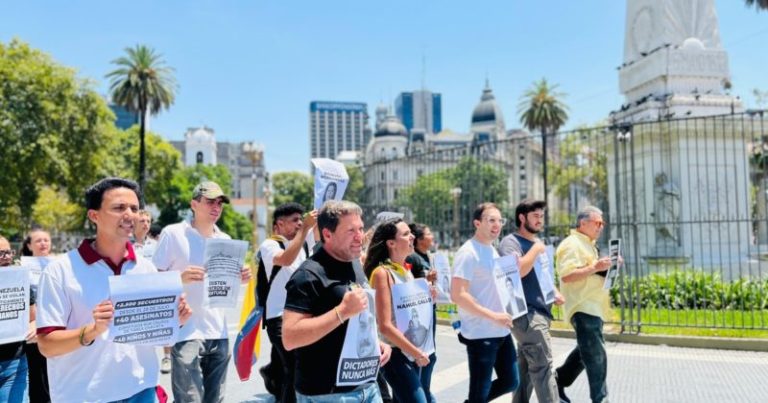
{"x":614,"y":251}
{"x":509,"y":285}
{"x":412,"y":303}
{"x":331,"y":180}
{"x":359,"y":359}
{"x":443,"y":268}
{"x":543,"y":269}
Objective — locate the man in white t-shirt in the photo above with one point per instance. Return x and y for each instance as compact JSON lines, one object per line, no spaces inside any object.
{"x":485,"y":324}
{"x":74,"y":310}
{"x":199,"y":360}
{"x":281,"y":255}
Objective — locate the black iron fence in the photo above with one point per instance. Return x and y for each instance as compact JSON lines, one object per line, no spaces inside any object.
{"x":687,"y":197}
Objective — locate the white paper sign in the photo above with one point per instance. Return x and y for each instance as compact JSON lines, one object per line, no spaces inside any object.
{"x":14,"y":303}
{"x":35,"y":264}
{"x":543,"y":269}
{"x":509,"y":285}
{"x":359,"y":359}
{"x":224,"y":259}
{"x":614,"y":251}
{"x":331,"y":180}
{"x":413,"y":314}
{"x":443,"y":268}
{"x":146,"y":308}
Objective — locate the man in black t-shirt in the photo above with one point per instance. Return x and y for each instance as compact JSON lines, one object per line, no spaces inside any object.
{"x":532,"y":330}
{"x":322,"y":295}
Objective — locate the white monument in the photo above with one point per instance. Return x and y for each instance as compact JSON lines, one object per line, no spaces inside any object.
{"x":684,"y":177}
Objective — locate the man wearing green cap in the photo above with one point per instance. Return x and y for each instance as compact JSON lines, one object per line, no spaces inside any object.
{"x":199,"y":360}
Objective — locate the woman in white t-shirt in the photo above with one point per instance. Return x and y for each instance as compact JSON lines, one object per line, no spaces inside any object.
{"x":385,"y":266}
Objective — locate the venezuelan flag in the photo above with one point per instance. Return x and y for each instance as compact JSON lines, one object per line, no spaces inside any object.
{"x":248,"y":341}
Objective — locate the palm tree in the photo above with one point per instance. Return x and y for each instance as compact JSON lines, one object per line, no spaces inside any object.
{"x":143,"y":84}
{"x":540,"y":109}
{"x":760,"y":4}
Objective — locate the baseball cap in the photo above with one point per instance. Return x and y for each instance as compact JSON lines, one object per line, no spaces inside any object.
{"x":209,"y":190}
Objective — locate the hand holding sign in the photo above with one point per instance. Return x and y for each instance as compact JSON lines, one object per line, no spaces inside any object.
{"x":354,"y":302}
{"x":102,"y":317}
{"x":192,"y":274}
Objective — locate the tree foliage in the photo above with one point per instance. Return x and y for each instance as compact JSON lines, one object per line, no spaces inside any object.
{"x":53,"y":129}
{"x":293,"y":186}
{"x":55,"y":212}
{"x":430,"y":200}
{"x":356,"y":187}
{"x":144,"y":84}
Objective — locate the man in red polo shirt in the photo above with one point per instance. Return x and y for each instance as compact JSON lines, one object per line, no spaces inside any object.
{"x":74,"y":310}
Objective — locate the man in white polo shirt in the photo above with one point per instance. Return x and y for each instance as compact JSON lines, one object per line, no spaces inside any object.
{"x":485,"y":324}
{"x":199,"y":360}
{"x":281,"y":255}
{"x":74,"y":311}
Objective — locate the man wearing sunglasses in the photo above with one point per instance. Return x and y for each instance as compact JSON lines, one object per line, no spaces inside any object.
{"x":587,"y":304}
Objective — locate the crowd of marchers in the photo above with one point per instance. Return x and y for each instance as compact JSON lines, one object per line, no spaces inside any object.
{"x":331,"y":296}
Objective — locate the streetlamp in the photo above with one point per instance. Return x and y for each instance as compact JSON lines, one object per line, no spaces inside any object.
{"x":267,"y":194}
{"x":255,"y":154}
{"x":455,"y":193}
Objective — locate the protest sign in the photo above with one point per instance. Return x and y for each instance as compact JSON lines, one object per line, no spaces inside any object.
{"x":146,"y":308}
{"x":14,"y":303}
{"x":224,"y":259}
{"x":412,"y":303}
{"x":509,"y":285}
{"x":543,"y":269}
{"x":443,"y":268}
{"x":359,"y":359}
{"x":614,"y":251}
{"x":331,"y":180}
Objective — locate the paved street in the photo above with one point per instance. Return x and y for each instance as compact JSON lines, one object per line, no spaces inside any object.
{"x":636,"y":373}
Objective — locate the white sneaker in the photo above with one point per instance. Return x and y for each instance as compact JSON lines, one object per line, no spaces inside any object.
{"x":165,"y":366}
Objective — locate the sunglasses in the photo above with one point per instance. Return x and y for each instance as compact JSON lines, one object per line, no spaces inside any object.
{"x":6,"y":252}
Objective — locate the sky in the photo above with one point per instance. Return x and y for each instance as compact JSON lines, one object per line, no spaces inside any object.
{"x":249,"y":69}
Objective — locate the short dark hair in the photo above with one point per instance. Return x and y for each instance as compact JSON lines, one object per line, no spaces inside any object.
{"x":332,"y":211}
{"x":418,"y":229}
{"x":480,"y":209}
{"x":94,"y":195}
{"x":155,"y":230}
{"x":526,"y":206}
{"x":287,"y":209}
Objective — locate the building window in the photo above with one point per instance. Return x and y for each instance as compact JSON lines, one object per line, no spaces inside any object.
{"x":394,"y":175}
{"x":383,"y":176}
{"x":199,"y":157}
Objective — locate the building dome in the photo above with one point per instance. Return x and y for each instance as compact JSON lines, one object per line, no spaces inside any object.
{"x":391,"y":126}
{"x":487,"y":111}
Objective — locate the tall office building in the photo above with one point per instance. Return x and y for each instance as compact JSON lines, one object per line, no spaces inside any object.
{"x":337,"y":126}
{"x":420,"y":111}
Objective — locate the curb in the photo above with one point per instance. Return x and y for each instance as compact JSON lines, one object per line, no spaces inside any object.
{"x":720,"y":343}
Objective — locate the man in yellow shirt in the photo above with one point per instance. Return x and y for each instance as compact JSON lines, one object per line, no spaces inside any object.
{"x":587,"y":306}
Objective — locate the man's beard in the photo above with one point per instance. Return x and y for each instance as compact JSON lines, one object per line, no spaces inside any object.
{"x":531,"y":229}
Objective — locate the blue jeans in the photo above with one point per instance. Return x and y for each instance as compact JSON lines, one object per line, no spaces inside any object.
{"x":368,"y":394}
{"x":13,"y":380}
{"x":405,"y":379}
{"x":199,"y":370}
{"x":589,"y":354}
{"x":484,"y":356}
{"x":148,"y":395}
